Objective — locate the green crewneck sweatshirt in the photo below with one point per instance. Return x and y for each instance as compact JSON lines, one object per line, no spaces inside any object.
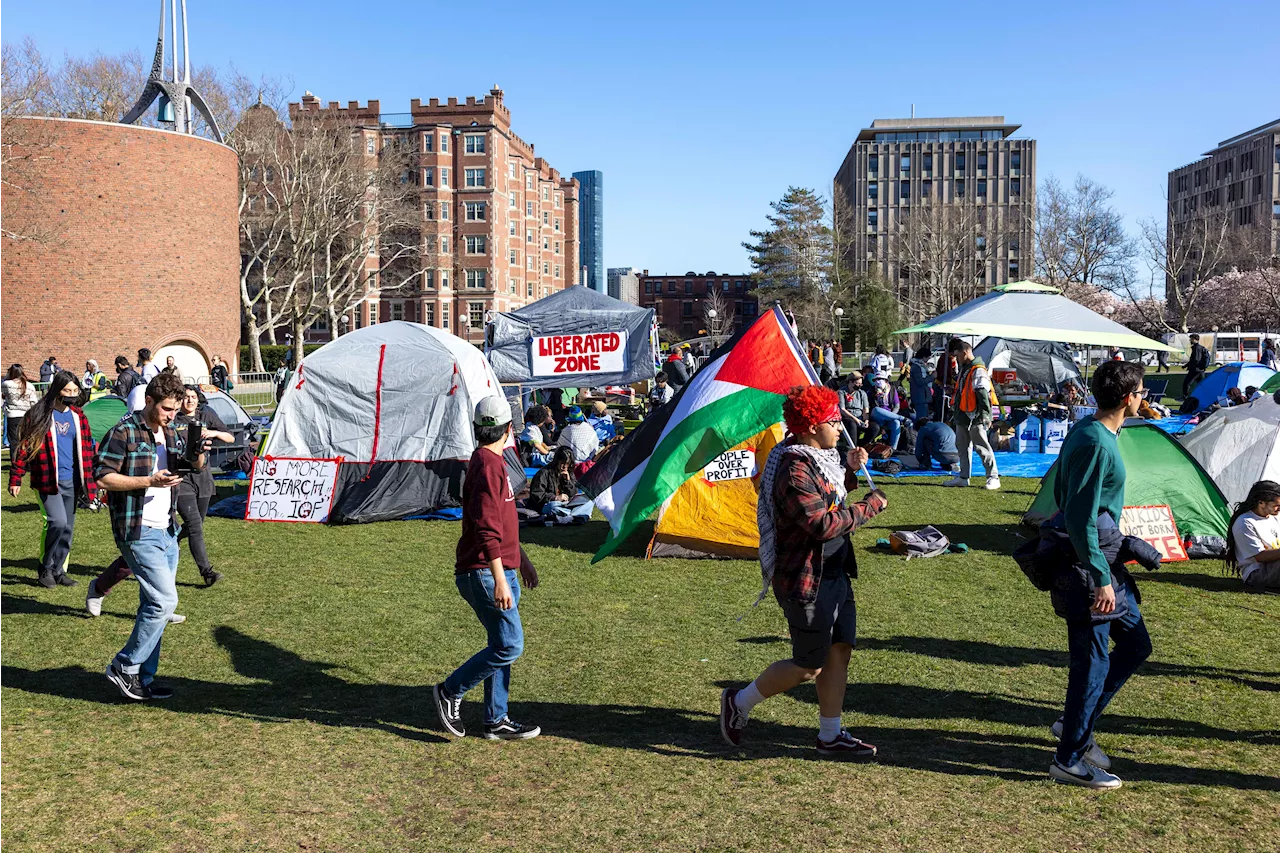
{"x":1090,"y":480}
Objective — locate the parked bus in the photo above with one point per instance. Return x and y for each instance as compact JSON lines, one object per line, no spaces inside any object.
{"x":1224,"y":347}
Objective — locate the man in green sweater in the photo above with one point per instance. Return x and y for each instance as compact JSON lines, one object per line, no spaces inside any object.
{"x":1089,"y":490}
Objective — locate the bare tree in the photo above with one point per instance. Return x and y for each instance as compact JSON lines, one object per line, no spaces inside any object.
{"x":717,"y":315}
{"x":1080,"y":237}
{"x":940,"y":249}
{"x":1193,"y":253}
{"x":26,"y":90}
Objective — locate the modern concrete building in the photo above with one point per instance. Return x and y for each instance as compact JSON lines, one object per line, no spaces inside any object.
{"x":591,"y":227}
{"x":502,"y":223}
{"x":624,"y":284}
{"x":678,"y":299}
{"x":924,"y":197}
{"x":1241,"y":179}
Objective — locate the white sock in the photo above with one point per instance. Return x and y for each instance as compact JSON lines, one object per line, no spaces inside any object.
{"x":748,"y":697}
{"x":828,"y":728}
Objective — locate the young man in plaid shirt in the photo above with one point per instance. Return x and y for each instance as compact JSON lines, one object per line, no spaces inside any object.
{"x":133,"y":465}
{"x":807,"y":557}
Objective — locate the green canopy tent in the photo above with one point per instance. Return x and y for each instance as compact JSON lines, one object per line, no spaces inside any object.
{"x":104,"y":413}
{"x":1159,"y":471}
{"x":1028,"y":311}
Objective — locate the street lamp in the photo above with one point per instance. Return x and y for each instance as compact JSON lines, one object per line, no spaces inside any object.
{"x":342,"y":325}
{"x":466,"y":325}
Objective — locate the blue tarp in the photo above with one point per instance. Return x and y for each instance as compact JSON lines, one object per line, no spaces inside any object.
{"x":1030,"y":465}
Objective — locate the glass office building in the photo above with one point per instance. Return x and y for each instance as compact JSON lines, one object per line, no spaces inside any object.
{"x":591,"y":228}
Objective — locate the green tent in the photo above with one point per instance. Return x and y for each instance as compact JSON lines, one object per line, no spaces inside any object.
{"x":1160,"y":471}
{"x":1272,"y":385}
{"x":104,"y":413}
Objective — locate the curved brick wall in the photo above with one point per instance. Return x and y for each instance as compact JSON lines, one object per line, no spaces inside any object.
{"x":138,"y":244}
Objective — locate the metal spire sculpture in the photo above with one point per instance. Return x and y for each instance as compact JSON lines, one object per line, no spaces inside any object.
{"x":178,"y":98}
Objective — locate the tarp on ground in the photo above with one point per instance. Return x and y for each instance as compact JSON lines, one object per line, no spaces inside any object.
{"x":512,"y":338}
{"x":104,"y":413}
{"x":714,"y":514}
{"x":395,"y":401}
{"x":1159,"y":471}
{"x":1027,"y":311}
{"x":1236,"y":374}
{"x":1238,"y":446}
{"x":1046,"y":365}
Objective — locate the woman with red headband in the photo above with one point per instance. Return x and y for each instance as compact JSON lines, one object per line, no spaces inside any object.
{"x":808,"y":559}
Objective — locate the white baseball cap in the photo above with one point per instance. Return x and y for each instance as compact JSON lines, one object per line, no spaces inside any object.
{"x":492,"y":411}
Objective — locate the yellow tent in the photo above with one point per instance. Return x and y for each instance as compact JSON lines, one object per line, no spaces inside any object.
{"x":714,"y":513}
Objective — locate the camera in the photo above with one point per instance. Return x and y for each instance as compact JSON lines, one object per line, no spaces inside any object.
{"x":189,"y":461}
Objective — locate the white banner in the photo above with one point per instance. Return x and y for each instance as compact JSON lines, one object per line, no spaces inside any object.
{"x":283,"y":489}
{"x":731,"y":465}
{"x":568,"y":355}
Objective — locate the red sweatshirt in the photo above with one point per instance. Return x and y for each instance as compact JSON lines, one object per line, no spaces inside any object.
{"x":490,"y":526}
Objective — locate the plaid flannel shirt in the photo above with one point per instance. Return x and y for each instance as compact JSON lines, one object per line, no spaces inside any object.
{"x":43,"y":467}
{"x":128,"y":449}
{"x":808,"y":513}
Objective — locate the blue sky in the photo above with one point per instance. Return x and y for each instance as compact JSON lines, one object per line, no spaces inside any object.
{"x":700,"y":114}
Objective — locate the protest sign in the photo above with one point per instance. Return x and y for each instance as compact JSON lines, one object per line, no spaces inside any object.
{"x":290,"y":489}
{"x":731,"y":465}
{"x":1155,"y":525}
{"x":566,"y":355}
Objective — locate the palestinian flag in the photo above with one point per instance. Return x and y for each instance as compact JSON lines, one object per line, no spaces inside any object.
{"x":737,"y":394}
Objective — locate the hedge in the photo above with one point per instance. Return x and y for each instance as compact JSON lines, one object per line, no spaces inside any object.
{"x":272,"y":355}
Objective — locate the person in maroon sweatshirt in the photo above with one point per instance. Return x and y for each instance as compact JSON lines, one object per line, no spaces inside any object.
{"x":485,"y":572}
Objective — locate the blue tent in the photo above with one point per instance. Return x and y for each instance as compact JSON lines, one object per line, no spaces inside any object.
{"x":1237,"y":374}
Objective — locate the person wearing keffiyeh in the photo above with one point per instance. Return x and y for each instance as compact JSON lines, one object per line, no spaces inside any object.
{"x":807,"y":558}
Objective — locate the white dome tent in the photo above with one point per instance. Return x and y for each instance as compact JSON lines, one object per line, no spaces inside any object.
{"x":1238,"y":446}
{"x":395,"y":402}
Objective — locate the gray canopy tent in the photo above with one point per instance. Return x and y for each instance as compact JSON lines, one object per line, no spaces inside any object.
{"x":1046,"y":365}
{"x":575,"y":337}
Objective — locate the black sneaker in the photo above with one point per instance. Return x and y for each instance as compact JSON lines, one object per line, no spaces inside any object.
{"x":449,"y":709}
{"x":845,"y":746}
{"x":46,"y":580}
{"x":732,"y":720}
{"x":156,"y":690}
{"x":506,"y":729}
{"x":211,"y":577}
{"x":131,"y":686}
{"x":63,"y":580}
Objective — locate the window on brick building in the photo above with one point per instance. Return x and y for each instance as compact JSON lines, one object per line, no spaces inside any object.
{"x":444,"y":245}
{"x":444,"y":279}
{"x":428,"y":279}
{"x":475,"y":279}
{"x":429,"y":313}
{"x":671,"y":287}
{"x":528,"y":180}
{"x":557,"y":225}
{"x":528,"y":208}
{"x":558,"y":197}
{"x":528,"y":263}
{"x":474,"y":211}
{"x":515,"y":201}
{"x":428,"y":177}
{"x":444,"y":142}
{"x":444,"y":177}
{"x":428,"y":141}
{"x":429,"y":211}
{"x":546,"y":268}
{"x":513,"y":257}
{"x":648,"y":285}
{"x":511,"y":228}
{"x":557,"y":247}
{"x":529,"y":289}
{"x":444,"y":315}
{"x":474,"y":177}
{"x":373,"y":313}
{"x":511,"y":170}
{"x":546,"y":242}
{"x":688,"y":286}
{"x":370,"y":146}
{"x":397,"y":310}
{"x":444,"y":210}
{"x":359,"y":312}
{"x":557,"y":272}
{"x":528,"y":235}
{"x":546,"y":218}
{"x":474,"y":143}
{"x":546,"y":194}
{"x":686,"y":308}
{"x":475,"y":244}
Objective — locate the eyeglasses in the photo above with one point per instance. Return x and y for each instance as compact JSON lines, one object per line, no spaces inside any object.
{"x":1142,"y":393}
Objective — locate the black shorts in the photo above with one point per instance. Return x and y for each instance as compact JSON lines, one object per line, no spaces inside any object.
{"x":830,"y":618}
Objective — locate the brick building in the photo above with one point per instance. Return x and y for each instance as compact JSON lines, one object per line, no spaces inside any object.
{"x":678,"y":299}
{"x":135,"y":245}
{"x":501,"y":223}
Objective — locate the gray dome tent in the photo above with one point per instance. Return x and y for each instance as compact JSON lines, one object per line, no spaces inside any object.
{"x":576,"y":338}
{"x":1046,"y":365}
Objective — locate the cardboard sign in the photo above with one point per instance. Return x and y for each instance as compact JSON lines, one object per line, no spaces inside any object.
{"x":1155,"y":525}
{"x":731,"y":465}
{"x":289,"y":489}
{"x":569,"y":355}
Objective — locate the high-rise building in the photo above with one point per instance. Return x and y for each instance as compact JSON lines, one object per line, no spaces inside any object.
{"x":624,"y":284}
{"x":591,"y":227}
{"x":939,"y":199}
{"x":501,"y":224}
{"x":1238,"y":180}
{"x":680,"y":300}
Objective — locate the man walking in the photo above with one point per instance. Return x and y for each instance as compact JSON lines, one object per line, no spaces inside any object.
{"x":133,"y":465}
{"x":972,"y":415}
{"x":485,"y":573}
{"x":1197,"y":364}
{"x":126,"y":378}
{"x":1089,"y":491}
{"x":807,"y":557}
{"x":147,"y":369}
{"x":218,"y":374}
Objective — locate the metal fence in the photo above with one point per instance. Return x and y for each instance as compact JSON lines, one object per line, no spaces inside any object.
{"x":255,"y":392}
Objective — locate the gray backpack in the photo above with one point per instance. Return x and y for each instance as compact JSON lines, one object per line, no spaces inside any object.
{"x":925,"y":542}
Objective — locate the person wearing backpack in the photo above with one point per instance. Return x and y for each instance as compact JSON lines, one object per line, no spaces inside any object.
{"x":972,"y":415}
{"x":920,"y":381}
{"x":1197,"y":364}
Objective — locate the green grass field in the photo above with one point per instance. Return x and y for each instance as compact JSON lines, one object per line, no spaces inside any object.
{"x":302,"y":719}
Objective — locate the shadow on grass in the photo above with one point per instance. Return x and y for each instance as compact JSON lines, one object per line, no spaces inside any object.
{"x":1000,"y":539}
{"x":22,"y":508}
{"x":21,"y":605}
{"x":587,"y":538}
{"x":1213,"y":582}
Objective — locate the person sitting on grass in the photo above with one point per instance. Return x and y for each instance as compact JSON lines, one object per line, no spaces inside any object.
{"x":885,"y":410}
{"x":1253,"y":538}
{"x":601,"y":421}
{"x":533,"y":444}
{"x":485,"y":573}
{"x":554,"y":490}
{"x":806,"y":556}
{"x":1253,"y":392}
{"x":855,"y":407}
{"x":579,"y":436}
{"x":936,"y":442}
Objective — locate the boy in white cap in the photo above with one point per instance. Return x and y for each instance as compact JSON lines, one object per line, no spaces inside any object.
{"x":485,"y":572}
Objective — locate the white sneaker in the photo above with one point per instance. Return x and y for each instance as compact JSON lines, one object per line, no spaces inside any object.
{"x":1085,"y":775}
{"x":1093,"y":754}
{"x":93,"y":601}
{"x":957,"y":480}
{"x":993,"y":483}
{"x":176,"y":619}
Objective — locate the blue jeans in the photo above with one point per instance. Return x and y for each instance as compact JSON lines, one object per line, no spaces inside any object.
{"x":573,"y":509}
{"x":1096,"y":674}
{"x":154,"y":561}
{"x":890,"y":421}
{"x":540,"y":460}
{"x":492,"y":664}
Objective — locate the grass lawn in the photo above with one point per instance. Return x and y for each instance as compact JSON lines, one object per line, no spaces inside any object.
{"x":302,"y":717}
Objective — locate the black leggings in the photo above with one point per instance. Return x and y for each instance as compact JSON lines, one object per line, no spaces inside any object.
{"x":193,"y":510}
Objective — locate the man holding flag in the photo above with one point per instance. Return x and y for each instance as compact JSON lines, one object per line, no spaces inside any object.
{"x":807,"y":557}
